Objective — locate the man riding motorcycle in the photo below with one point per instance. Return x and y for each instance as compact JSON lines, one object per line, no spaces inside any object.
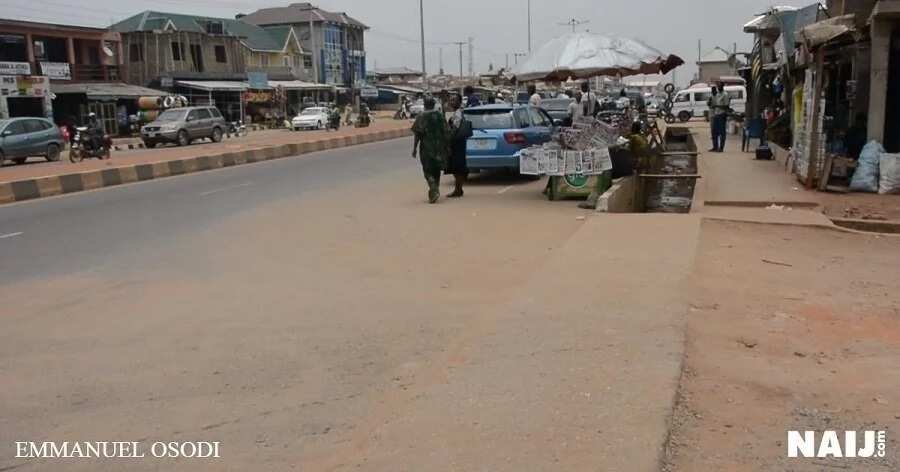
{"x":95,"y":131}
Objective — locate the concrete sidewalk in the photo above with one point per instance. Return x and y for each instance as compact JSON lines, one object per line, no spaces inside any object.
{"x":44,"y":179}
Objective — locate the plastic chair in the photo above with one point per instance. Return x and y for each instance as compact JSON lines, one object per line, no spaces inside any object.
{"x":753,"y":129}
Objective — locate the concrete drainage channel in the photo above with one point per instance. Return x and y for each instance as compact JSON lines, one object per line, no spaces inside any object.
{"x":868,"y":226}
{"x":667,"y":186}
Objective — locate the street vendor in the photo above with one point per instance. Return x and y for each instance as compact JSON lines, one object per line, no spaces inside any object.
{"x":640,"y":153}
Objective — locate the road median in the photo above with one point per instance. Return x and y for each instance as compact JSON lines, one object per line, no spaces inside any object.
{"x":53,"y":185}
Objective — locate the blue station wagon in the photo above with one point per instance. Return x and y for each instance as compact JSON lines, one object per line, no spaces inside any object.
{"x":21,"y":138}
{"x":500,"y":132}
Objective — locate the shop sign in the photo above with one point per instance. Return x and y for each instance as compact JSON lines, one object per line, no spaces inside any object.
{"x":20,"y":86}
{"x":56,"y":70}
{"x":368,"y":92}
{"x":258,"y":80}
{"x":257,"y":97}
{"x":15,"y":68}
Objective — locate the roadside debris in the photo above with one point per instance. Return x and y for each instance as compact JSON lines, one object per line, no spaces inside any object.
{"x":785,"y":264}
{"x":749,"y":344}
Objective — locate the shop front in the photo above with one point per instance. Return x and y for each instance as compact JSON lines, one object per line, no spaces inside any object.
{"x":25,"y":95}
{"x":115,"y":104}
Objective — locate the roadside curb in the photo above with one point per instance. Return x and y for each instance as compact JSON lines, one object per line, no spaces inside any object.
{"x":49,"y":186}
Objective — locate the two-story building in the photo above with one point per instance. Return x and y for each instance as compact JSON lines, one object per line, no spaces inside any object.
{"x":335,"y":41}
{"x":211,"y":61}
{"x":62,"y":72}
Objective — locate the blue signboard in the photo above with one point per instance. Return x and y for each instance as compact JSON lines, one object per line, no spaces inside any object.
{"x":258,"y":80}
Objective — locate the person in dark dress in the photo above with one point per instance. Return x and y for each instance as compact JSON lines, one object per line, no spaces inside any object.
{"x":456,"y":164}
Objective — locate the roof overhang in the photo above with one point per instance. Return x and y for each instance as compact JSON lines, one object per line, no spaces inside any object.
{"x":105,"y":90}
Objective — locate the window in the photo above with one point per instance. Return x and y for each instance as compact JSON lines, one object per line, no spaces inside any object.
{"x":683,"y":98}
{"x":136,"y":53}
{"x":736,"y":94}
{"x":203,"y":114}
{"x":490,"y":119}
{"x":522,"y":119}
{"x":701,"y":96}
{"x":16,"y":127}
{"x":215,"y":113}
{"x":12,"y":48}
{"x":307,"y":61}
{"x":287,"y":61}
{"x":193,"y":115}
{"x":264,"y":60}
{"x":221,"y":57}
{"x":536,"y":118}
{"x":177,"y":51}
{"x":35,"y":126}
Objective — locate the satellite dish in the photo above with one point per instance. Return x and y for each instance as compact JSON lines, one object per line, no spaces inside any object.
{"x":108,"y":51}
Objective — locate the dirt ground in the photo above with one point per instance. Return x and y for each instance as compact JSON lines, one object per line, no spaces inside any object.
{"x":806,"y":341}
{"x":866,"y":206}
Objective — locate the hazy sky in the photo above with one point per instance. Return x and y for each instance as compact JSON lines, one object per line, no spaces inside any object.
{"x":497,"y":26}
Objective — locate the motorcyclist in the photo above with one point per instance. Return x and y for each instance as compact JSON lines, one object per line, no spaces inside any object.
{"x":364,"y":117}
{"x":95,"y":131}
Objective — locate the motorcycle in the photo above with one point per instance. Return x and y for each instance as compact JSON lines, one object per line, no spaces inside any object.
{"x":82,"y":147}
{"x":237,"y":128}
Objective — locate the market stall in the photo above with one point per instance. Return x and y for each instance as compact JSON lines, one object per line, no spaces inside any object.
{"x":581,"y":162}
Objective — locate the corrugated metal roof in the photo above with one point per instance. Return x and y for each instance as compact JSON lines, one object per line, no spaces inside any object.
{"x":299,"y":85}
{"x":299,"y":13}
{"x":214,"y":85}
{"x":254,"y":37}
{"x":105,"y":90}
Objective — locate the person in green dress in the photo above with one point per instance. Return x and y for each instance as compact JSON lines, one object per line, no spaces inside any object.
{"x":431,"y":146}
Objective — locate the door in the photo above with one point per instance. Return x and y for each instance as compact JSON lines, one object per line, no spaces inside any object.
{"x":892,"y":114}
{"x":531,"y":132}
{"x":35,"y":136}
{"x":15,"y":140}
{"x":206,"y":122}
{"x":699,"y":106}
{"x":542,"y":126}
{"x":194,"y":124}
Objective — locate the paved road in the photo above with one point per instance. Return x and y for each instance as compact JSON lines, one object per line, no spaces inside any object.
{"x":315,"y":314}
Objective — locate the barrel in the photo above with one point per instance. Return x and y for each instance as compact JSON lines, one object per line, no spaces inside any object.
{"x":149,"y":103}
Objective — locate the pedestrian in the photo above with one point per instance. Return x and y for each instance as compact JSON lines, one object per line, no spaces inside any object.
{"x":588,"y":101}
{"x":575,"y":109}
{"x":472,"y":100}
{"x":719,"y":105}
{"x":534,"y":98}
{"x":460,"y":131}
{"x":430,"y":145}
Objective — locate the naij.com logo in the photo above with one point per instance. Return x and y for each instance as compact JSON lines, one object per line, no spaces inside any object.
{"x":835,"y":444}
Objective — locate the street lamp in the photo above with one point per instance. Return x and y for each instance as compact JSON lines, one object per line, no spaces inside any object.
{"x":529,"y":26}
{"x":422,"y":32}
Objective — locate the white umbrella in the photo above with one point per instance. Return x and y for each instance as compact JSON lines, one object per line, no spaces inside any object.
{"x":584,"y":55}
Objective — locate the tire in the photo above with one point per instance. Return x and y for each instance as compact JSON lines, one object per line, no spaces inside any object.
{"x":150,"y":144}
{"x":684,"y":117}
{"x":75,"y":156}
{"x":52,"y":153}
{"x":669,"y":88}
{"x":183,"y":138}
{"x":20,"y":160}
{"x":217,"y":135}
{"x":669,"y":119}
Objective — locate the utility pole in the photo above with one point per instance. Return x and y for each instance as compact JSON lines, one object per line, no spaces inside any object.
{"x":471,"y":59}
{"x":573,"y":23}
{"x":529,"y":26}
{"x":460,"y":44}
{"x":507,"y":61}
{"x":441,"y":59}
{"x":422,"y":32}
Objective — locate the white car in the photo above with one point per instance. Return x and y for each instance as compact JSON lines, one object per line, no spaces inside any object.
{"x":310,"y":118}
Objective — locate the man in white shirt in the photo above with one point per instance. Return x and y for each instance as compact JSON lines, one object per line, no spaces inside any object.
{"x":575,"y":109}
{"x":535,"y":98}
{"x":588,"y":101}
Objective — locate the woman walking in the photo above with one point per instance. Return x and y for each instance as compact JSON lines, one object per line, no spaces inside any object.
{"x":460,"y":132}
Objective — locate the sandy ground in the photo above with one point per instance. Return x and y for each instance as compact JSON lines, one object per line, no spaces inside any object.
{"x":811,"y":345}
{"x":358,"y":328}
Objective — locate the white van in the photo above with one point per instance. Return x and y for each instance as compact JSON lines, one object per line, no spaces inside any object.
{"x":691,"y":103}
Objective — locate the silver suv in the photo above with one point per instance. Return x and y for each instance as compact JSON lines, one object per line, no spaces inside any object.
{"x":183,"y":125}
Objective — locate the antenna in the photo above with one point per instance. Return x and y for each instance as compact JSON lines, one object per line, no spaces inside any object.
{"x":574,"y":23}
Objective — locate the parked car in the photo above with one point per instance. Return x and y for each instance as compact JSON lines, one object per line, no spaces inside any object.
{"x":500,"y":132}
{"x":558,"y":109}
{"x":183,"y":125}
{"x":21,"y":138}
{"x":311,"y":118}
{"x":691,"y":102}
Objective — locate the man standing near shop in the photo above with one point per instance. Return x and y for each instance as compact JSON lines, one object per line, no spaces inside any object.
{"x":719,"y":105}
